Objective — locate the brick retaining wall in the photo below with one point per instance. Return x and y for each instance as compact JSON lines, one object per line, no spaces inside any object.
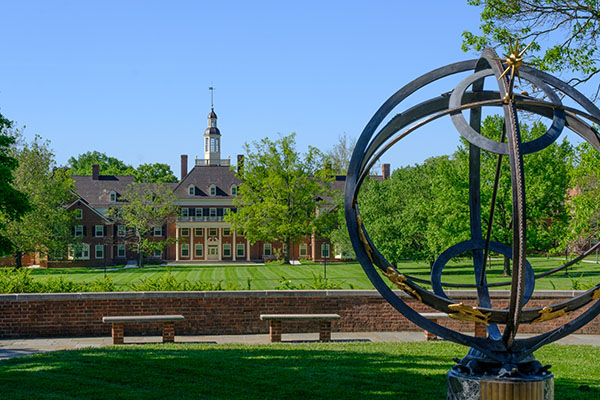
{"x":236,"y":312}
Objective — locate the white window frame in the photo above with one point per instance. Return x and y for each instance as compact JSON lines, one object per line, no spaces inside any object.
{"x":226,"y":231}
{"x":96,"y":230}
{"x":121,"y":230}
{"x":85,"y":252}
{"x":212,"y":212}
{"x":234,"y":190}
{"x":213,"y":190}
{"x":158,"y":229}
{"x":187,"y":230}
{"x":212,"y":232}
{"x":198,"y":230}
{"x":199,"y":253}
{"x":158,"y":253}
{"x":184,"y":211}
{"x":324,"y":250}
{"x":123,"y":249}
{"x":113,"y":196}
{"x":78,"y":231}
{"x":185,"y":250}
{"x":99,"y":247}
{"x":242,"y":247}
{"x":226,"y":250}
{"x":303,"y":249}
{"x":265,"y":247}
{"x":192,"y":190}
{"x":78,"y":213}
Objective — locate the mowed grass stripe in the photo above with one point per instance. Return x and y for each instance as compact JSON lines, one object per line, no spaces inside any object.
{"x":269,"y":276}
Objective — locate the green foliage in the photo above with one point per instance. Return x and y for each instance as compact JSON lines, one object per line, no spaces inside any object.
{"x":422,"y":210}
{"x":82,"y":164}
{"x":563,"y":34}
{"x":321,"y":283}
{"x":21,"y":280}
{"x":46,"y":227}
{"x":13,"y":203}
{"x":146,"y":206}
{"x":144,"y":173}
{"x":584,"y":205}
{"x":157,"y":172}
{"x":278,"y":197}
{"x":169,"y":283}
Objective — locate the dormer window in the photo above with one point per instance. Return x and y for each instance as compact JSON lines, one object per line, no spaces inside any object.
{"x":113,"y":196}
{"x":213,"y":190}
{"x":233,"y":190}
{"x":191,"y":190}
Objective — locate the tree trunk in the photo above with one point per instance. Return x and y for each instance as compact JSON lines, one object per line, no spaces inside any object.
{"x":140,"y":254}
{"x":286,"y":256}
{"x":506,"y":266}
{"x":18,"y":259}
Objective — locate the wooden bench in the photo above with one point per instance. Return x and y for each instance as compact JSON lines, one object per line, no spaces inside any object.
{"x":276,"y":319}
{"x":168,"y":328}
{"x":480,"y":330}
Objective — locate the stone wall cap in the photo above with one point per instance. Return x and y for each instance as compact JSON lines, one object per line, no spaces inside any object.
{"x":264,"y":293}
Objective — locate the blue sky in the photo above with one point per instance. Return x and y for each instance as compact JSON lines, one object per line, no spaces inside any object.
{"x":131,"y":78}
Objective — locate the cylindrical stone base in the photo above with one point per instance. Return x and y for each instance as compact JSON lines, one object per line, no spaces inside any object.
{"x":463,"y":387}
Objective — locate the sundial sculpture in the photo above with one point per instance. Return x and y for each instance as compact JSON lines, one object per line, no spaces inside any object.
{"x":500,"y":355}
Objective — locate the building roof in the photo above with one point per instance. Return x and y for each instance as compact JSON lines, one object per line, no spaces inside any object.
{"x":212,"y":131}
{"x":212,"y":114}
{"x":204,"y":176}
{"x":97,"y":192}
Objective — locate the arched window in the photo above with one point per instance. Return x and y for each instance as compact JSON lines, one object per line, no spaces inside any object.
{"x":234,"y":190}
{"x":191,"y":190}
{"x":113,"y":196}
{"x":213,"y":190}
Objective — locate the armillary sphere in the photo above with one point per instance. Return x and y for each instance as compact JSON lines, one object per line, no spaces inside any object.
{"x":500,"y":347}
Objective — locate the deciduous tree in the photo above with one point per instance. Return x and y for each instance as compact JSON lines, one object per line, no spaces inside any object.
{"x":280,"y":190}
{"x":144,"y":207}
{"x":157,"y":173}
{"x":46,"y":227}
{"x":82,"y":164}
{"x":13,"y":203}
{"x":564,"y":34}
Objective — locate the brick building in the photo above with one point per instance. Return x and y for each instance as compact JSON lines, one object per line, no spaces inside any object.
{"x":204,"y":196}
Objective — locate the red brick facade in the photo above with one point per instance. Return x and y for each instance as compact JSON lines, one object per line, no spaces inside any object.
{"x":214,"y":313}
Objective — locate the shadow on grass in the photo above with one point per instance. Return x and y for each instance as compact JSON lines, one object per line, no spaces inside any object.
{"x":301,"y":371}
{"x":227,"y":372}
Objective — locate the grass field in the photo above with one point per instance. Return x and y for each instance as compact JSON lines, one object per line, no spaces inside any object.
{"x":299,"y":371}
{"x":347,"y":275}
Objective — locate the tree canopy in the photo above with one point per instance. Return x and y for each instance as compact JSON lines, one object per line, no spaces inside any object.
{"x":422,"y":210}
{"x":280,"y":192}
{"x":46,"y":227}
{"x":144,"y":173}
{"x":564,"y":34}
{"x":146,"y":206}
{"x":13,"y":203}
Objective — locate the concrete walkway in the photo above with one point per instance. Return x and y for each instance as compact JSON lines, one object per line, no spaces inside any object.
{"x":19,"y":347}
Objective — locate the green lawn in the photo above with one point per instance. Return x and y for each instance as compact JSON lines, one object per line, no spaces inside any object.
{"x":298,"y":371}
{"x":347,"y":275}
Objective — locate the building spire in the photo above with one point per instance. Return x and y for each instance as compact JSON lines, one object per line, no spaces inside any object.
{"x":212,"y":92}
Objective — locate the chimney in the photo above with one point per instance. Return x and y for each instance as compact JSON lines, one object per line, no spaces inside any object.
{"x":385,"y":171}
{"x":240,"y":163}
{"x":95,"y":172}
{"x":184,"y":166}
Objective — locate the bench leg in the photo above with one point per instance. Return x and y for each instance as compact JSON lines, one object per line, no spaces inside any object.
{"x":117,"y":332}
{"x":168,"y":332}
{"x":275,"y":331}
{"x":480,"y":330}
{"x":325,"y":331}
{"x":431,"y":336}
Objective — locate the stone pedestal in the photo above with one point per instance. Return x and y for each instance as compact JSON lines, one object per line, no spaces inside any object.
{"x":464,"y":387}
